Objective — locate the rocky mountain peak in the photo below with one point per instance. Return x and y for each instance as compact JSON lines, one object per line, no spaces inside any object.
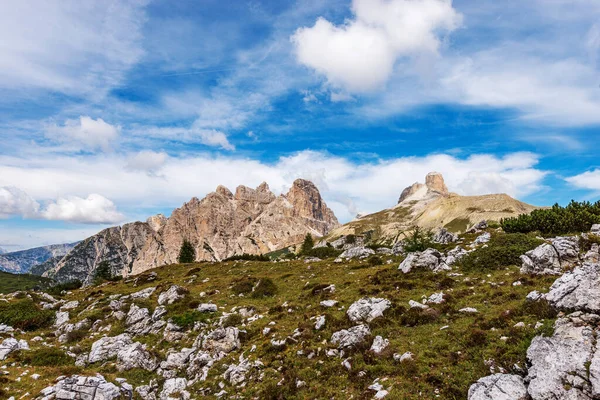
{"x":435,"y":182}
{"x":156,"y":222}
{"x":307,"y":202}
{"x":223,"y":191}
{"x":434,"y":185}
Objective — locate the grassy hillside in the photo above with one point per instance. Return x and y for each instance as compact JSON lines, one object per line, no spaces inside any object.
{"x":12,"y":282}
{"x":451,"y":349}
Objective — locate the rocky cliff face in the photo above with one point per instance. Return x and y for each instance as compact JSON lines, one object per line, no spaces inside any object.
{"x":223,"y":224}
{"x":22,"y":262}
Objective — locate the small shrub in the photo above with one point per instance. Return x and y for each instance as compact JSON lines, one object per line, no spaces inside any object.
{"x":374,"y":261}
{"x":265,"y":288}
{"x":25,"y":315}
{"x":76,"y":335}
{"x":243,"y":286}
{"x":350,"y":239}
{"x":501,"y":251}
{"x":418,"y":240}
{"x":415,"y":316}
{"x":104,"y":273}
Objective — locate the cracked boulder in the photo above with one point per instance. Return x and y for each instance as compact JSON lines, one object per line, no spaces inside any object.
{"x":108,"y":347}
{"x":577,"y":290}
{"x":140,"y":322}
{"x":543,"y":260}
{"x":172,"y":295}
{"x":443,"y":236}
{"x":222,"y":340}
{"x":357,"y":252}
{"x":10,"y":345}
{"x":88,"y":388}
{"x":367,"y":309}
{"x":429,"y":259}
{"x":136,"y":356}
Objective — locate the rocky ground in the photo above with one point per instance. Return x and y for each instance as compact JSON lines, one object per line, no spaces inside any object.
{"x":374,"y":323}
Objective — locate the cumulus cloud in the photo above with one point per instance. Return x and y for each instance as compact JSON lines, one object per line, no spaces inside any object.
{"x":214,"y":138}
{"x":14,"y":201}
{"x":360,"y":54}
{"x":85,"y":133}
{"x":95,"y":209}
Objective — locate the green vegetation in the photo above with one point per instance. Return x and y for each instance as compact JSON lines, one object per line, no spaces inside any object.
{"x":323,"y":252}
{"x":458,"y":225}
{"x":574,"y":218}
{"x":57,"y":289}
{"x":501,"y":251}
{"x":187,"y":253}
{"x":26,"y":315}
{"x":45,"y":357}
{"x":104,"y":273}
{"x":187,"y":319}
{"x":264,"y":288}
{"x":307,"y":245}
{"x":13,"y":282}
{"x":418,"y":240}
{"x":248,"y":257}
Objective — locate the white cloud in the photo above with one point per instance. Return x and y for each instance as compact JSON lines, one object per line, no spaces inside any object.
{"x":146,"y":160}
{"x":589,"y":180}
{"x":71,"y":46}
{"x":360,"y":55}
{"x":346,"y":185}
{"x":14,"y":201}
{"x":86,"y":133}
{"x":214,"y":138}
{"x":95,"y":209}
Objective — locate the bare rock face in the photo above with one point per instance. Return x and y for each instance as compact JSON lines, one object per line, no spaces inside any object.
{"x":223,"y":224}
{"x":434,"y":187}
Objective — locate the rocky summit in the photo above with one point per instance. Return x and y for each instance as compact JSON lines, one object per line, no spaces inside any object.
{"x":432,"y":206}
{"x":221,"y":225}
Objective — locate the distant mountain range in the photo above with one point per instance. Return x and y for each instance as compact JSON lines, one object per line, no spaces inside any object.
{"x":2,"y":251}
{"x":23,"y":261}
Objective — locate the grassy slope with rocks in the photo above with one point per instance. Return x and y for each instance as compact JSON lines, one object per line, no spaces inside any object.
{"x":445,"y":362}
{"x":12,"y":282}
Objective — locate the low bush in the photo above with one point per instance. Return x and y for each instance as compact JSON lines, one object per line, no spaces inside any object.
{"x":418,"y":240}
{"x":232,"y":320}
{"x":374,"y":261}
{"x":323,"y":252}
{"x":26,"y":315}
{"x":574,"y":218}
{"x":264,"y":288}
{"x":501,"y":251}
{"x":248,"y":257}
{"x":243,"y":286}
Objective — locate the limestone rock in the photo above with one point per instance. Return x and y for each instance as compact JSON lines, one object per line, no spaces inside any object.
{"x":498,"y":387}
{"x":135,"y":356}
{"x":543,"y":260}
{"x":207,"y":307}
{"x":222,"y":340}
{"x":357,"y":252}
{"x":108,"y":347}
{"x":350,"y":337}
{"x":577,"y":290}
{"x":567,"y":248}
{"x":88,"y":388}
{"x":10,"y":345}
{"x":172,"y":295}
{"x":443,"y":236}
{"x":379,"y":345}
{"x":175,"y":386}
{"x":429,"y":259}
{"x":253,"y":221}
{"x":367,"y":309}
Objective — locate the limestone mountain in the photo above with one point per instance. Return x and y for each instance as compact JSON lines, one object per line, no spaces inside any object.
{"x":23,"y":261}
{"x":221,"y":225}
{"x":431,"y":206}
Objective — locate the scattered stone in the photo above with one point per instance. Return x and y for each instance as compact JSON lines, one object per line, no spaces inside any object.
{"x":543,"y":260}
{"x":478,"y":227}
{"x":320,"y":322}
{"x":577,"y":290}
{"x":535,"y":296}
{"x":222,"y":340}
{"x":367,"y":309}
{"x":172,"y":295}
{"x":136,"y":356}
{"x":350,"y":337}
{"x":175,"y":386}
{"x":379,"y":345}
{"x":483,"y":238}
{"x":357,"y":252}
{"x":10,"y":345}
{"x":468,"y":310}
{"x":328,"y":303}
{"x":443,"y":236}
{"x":143,"y":294}
{"x":88,"y":388}
{"x":207,"y":307}
{"x":429,"y":259}
{"x":416,"y":304}
{"x":436,"y":298}
{"x":108,"y":347}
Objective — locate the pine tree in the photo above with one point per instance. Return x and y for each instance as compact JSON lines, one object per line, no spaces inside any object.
{"x":187,"y":254}
{"x":307,"y":245}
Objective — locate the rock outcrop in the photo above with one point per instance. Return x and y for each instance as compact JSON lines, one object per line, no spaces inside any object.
{"x":223,"y":224}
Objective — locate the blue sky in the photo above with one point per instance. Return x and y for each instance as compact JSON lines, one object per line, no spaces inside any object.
{"x":112,"y":111}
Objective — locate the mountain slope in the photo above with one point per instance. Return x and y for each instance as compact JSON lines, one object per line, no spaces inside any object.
{"x":23,"y":261}
{"x":431,"y":206}
{"x":223,"y":224}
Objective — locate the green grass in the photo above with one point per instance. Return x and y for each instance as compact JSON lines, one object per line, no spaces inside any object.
{"x":446,"y":362}
{"x":26,"y":315}
{"x":13,"y":282}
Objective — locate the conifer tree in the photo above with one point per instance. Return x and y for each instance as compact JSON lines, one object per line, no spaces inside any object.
{"x":187,"y":254}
